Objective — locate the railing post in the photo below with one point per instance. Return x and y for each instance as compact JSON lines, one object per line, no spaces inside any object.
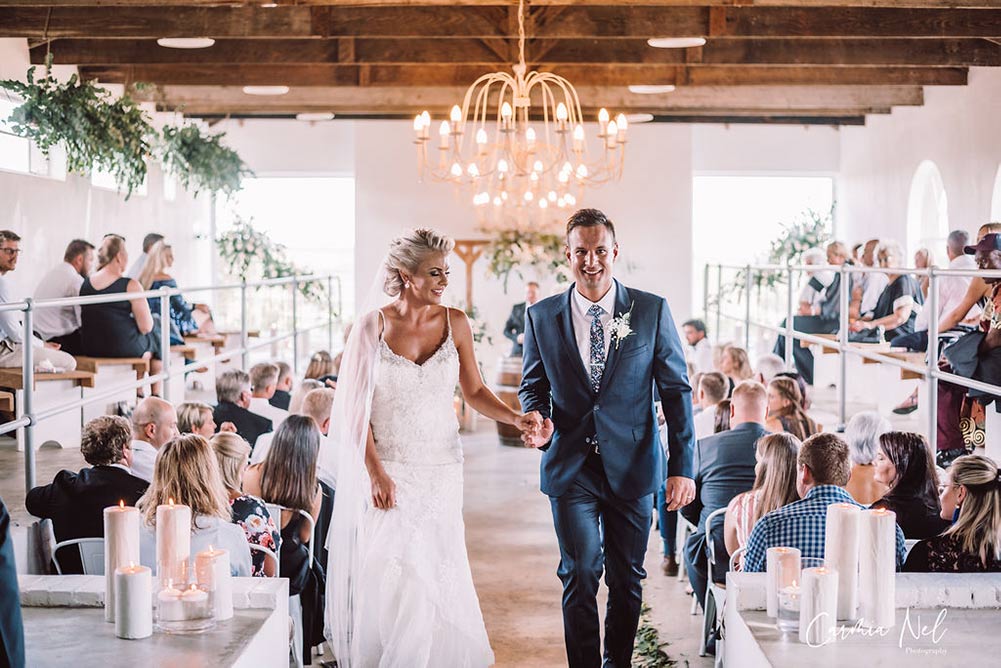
{"x":719,"y":302}
{"x":930,"y":379}
{"x":330,"y":314}
{"x":705,"y":292}
{"x":27,"y":395}
{"x":846,"y":289}
{"x":295,"y":326}
{"x":790,"y":361}
{"x":165,"y":340}
{"x":244,"y":334}
{"x":747,"y":312}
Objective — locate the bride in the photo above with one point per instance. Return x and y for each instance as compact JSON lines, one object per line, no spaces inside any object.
{"x":399,"y":588}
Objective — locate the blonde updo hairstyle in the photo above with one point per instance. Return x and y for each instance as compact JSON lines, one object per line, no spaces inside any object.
{"x":112,"y":246}
{"x":407,"y":252}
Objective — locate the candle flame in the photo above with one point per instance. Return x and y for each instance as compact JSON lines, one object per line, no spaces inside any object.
{"x":211,"y":549}
{"x":121,"y":504}
{"x":193,"y":587}
{"x":794,"y":583}
{"x":132,"y":564}
{"x":170,"y":501}
{"x":170,"y":583}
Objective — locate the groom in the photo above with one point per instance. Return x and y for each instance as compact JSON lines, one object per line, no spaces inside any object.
{"x":593,"y":357}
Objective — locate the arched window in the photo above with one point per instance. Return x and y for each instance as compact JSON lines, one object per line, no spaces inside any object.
{"x":927,"y":210}
{"x":996,"y":197}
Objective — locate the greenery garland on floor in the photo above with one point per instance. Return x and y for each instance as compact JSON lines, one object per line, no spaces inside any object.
{"x":648,"y":652}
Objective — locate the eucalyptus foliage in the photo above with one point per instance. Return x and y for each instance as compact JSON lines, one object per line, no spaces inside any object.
{"x":200,"y":161}
{"x":514,"y":251}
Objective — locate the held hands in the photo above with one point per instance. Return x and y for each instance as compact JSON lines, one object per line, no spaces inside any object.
{"x":535,"y":431}
{"x":227,"y":427}
{"x":679,"y":492}
{"x":383,"y":490}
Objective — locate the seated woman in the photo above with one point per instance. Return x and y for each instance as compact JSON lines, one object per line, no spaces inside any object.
{"x":735,"y":365}
{"x":862,"y":435}
{"x":785,"y":410}
{"x":194,"y":417}
{"x":118,"y":329}
{"x":904,"y":464}
{"x":721,"y":422}
{"x":186,"y":319}
{"x":186,"y":471}
{"x":898,"y":303}
{"x":248,"y":511}
{"x":774,"y":487}
{"x":287,"y":476}
{"x":322,"y":368}
{"x":972,"y":496}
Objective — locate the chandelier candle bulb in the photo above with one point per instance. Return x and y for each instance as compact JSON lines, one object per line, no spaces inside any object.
{"x":841,"y":552}
{"x":133,"y":602}
{"x":456,"y":117}
{"x":603,"y":118}
{"x":506,"y":114}
{"x":578,"y":139}
{"x":774,"y":555}
{"x":121,"y":548}
{"x":623,"y":125}
{"x":173,"y":542}
{"x":530,"y":140}
{"x":443,"y":132}
{"x":425,"y":124}
{"x":877,"y":573}
{"x":818,"y":605}
{"x":612,"y":134}
{"x":561,"y":116}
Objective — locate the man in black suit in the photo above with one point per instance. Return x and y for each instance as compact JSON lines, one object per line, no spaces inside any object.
{"x":11,"y":625}
{"x":232,"y":389}
{"x":724,"y":467}
{"x":514,"y":329}
{"x":283,"y":392}
{"x":75,"y":502}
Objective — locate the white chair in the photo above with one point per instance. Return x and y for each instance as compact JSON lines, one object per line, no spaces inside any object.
{"x":91,"y":554}
{"x":715,"y":594}
{"x":268,"y":554}
{"x":909,"y":544}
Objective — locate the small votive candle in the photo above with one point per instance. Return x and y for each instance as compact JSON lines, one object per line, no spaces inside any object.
{"x":788,"y":602}
{"x":781,"y":562}
{"x":213,"y":575}
{"x":133,"y":602}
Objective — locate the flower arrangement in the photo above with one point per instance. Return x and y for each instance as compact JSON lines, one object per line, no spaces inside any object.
{"x":515,"y":251}
{"x":479,"y":326}
{"x":250,"y":255}
{"x":200,"y":161}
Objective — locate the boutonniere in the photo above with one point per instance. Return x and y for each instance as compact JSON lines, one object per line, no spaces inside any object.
{"x":620,"y":326}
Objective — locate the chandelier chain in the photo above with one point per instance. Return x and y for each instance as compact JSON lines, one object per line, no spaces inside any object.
{"x":521,"y":32}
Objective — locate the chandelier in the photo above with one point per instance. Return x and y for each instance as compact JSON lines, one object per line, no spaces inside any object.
{"x":523,"y":160}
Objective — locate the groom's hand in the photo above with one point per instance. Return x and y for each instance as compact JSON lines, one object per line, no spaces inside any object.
{"x":679,"y":492}
{"x":539,"y":436}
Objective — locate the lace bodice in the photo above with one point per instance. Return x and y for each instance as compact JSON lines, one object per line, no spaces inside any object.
{"x":413,"y":415}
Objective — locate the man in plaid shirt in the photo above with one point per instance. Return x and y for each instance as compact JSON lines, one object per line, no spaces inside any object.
{"x":824,"y":468}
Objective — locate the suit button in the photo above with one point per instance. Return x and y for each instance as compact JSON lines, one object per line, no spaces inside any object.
{"x":597,"y":408}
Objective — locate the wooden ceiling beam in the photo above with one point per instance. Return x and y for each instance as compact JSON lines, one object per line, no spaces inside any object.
{"x":571,"y":22}
{"x":459,"y":75}
{"x":819,"y":52}
{"x":907,"y":4}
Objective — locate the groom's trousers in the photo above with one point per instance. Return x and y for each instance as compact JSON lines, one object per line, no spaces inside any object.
{"x":599,"y":531}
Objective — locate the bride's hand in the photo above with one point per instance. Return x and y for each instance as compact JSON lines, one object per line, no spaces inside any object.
{"x":383,"y":491}
{"x":529,"y":423}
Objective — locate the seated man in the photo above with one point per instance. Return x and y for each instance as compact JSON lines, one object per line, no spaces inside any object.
{"x":75,"y":502}
{"x":823,"y":471}
{"x":698,"y":350}
{"x":713,"y":388}
{"x":317,"y":405}
{"x":283,"y":391}
{"x":767,"y":367}
{"x":62,"y":325}
{"x":154,"y":423}
{"x":232,"y":390}
{"x":724,"y":467}
{"x":263,"y":383}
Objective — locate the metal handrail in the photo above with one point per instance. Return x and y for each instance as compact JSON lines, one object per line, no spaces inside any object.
{"x":930,"y":370}
{"x":30,"y":418}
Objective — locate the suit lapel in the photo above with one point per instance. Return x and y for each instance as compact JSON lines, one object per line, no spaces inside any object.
{"x":565,"y":321}
{"x":622,"y":303}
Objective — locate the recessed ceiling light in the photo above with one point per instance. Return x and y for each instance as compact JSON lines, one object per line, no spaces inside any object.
{"x":675,"y":42}
{"x":639,"y":118}
{"x":315,"y":116}
{"x":185,"y":42}
{"x":650,"y":90}
{"x":265,"y":90}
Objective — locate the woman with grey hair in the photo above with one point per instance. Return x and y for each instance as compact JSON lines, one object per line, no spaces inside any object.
{"x":862,"y":435}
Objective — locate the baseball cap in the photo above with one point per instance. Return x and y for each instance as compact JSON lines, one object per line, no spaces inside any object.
{"x":990,"y":242}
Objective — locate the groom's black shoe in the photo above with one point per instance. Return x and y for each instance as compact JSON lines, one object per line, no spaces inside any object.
{"x":669,"y":566}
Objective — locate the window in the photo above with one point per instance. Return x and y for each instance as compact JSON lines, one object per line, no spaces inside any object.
{"x":106,"y":181}
{"x":18,"y":154}
{"x":927,"y":210}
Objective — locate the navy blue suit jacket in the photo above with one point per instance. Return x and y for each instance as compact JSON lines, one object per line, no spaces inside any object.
{"x":555,"y":383}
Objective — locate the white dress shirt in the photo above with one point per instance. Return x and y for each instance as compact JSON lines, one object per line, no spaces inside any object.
{"x":62,"y":281}
{"x":262,"y":407}
{"x":582,"y":323}
{"x":700,"y":355}
{"x":951,"y":290}
{"x":212,"y":532}
{"x":705,"y":422}
{"x":874,"y":286}
{"x":143,"y":458}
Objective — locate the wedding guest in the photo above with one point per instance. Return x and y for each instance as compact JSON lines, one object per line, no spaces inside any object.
{"x":75,"y":502}
{"x":785,"y":409}
{"x":187,"y":472}
{"x":263,"y":383}
{"x":724,"y":467}
{"x":712,"y":389}
{"x":768,"y":366}
{"x":232,"y":389}
{"x":862,"y":435}
{"x":973,"y":543}
{"x":149,"y":241}
{"x":321,"y":368}
{"x":904,"y":463}
{"x":514,"y":328}
{"x":11,"y":624}
{"x":61,"y":325}
{"x":317,"y":405}
{"x":305,"y":387}
{"x":194,"y":417}
{"x":283,"y":390}
{"x":185,"y":319}
{"x":12,"y":329}
{"x":736,"y":365}
{"x":803,"y":389}
{"x":868,"y":286}
{"x":118,"y":329}
{"x":823,"y":467}
{"x":722,"y":417}
{"x":154,"y":423}
{"x":898,"y":303}
{"x":249,"y":512}
{"x":774,"y":487}
{"x":924,"y":258}
{"x":698,"y":350}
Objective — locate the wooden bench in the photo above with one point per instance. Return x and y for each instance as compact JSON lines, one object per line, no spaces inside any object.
{"x":187,"y":352}
{"x":6,"y":401}
{"x":51,"y":390}
{"x":111,"y":372}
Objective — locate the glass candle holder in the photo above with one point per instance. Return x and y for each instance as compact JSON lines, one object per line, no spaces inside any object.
{"x":790,"y":594}
{"x":187,"y":610}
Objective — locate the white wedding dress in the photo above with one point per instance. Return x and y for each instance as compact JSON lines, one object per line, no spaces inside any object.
{"x":418,"y":607}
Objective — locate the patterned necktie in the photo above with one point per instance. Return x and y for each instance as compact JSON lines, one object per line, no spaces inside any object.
{"x":597,"y":346}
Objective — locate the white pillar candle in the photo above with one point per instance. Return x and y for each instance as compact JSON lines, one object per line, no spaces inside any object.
{"x":790,"y":558}
{"x":121,"y":548}
{"x":173,"y":543}
{"x":212,"y":574}
{"x":878,"y":561}
{"x":841,"y":544}
{"x":818,"y":605}
{"x":133,"y":602}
